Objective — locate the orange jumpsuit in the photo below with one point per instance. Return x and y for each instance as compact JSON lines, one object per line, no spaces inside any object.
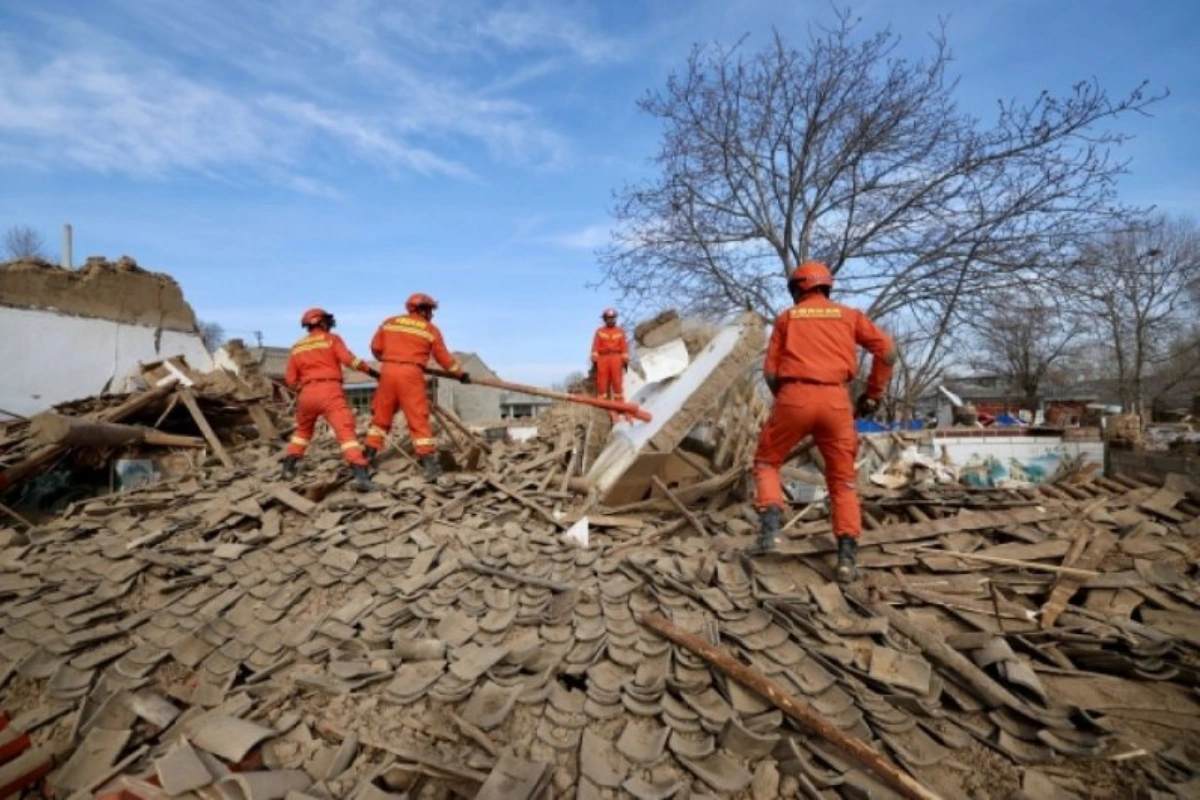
{"x":813,"y":355}
{"x":610,"y":354}
{"x":404,"y":345}
{"x":315,"y":365}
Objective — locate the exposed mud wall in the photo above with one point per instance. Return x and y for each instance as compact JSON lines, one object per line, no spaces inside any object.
{"x":119,"y":291}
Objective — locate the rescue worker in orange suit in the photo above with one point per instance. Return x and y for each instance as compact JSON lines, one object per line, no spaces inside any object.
{"x":404,"y":345}
{"x":811,"y":357}
{"x":315,"y":366}
{"x":610,"y":357}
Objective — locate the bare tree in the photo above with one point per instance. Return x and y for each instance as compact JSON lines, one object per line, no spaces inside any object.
{"x":1175,"y":381}
{"x":924,"y":358}
{"x":1137,"y":282}
{"x":572,"y":379}
{"x":1022,"y":335}
{"x":212,"y":334}
{"x":842,"y":150}
{"x":22,"y":241}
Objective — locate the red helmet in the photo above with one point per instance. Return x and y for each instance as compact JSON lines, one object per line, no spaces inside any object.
{"x":315,"y":316}
{"x":609,"y":312}
{"x":808,"y":276}
{"x":420,"y":300}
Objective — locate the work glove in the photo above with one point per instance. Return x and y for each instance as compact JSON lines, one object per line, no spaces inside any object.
{"x":625,"y":367}
{"x":772,"y":383}
{"x":374,"y":373}
{"x":865,"y":406}
{"x":592,"y":372}
{"x":464,"y":377}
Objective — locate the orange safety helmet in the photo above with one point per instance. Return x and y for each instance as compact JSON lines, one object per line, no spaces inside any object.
{"x":609,"y":312}
{"x":420,"y":300}
{"x":808,"y":276}
{"x":314,"y":317}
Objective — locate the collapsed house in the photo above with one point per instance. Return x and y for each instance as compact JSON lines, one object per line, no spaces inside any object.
{"x":221,"y":634}
{"x":70,"y":334}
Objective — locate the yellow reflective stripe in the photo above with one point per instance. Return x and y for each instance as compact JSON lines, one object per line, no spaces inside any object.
{"x":424,"y":441}
{"x":426,"y":335}
{"x":351,"y":444}
{"x":296,"y":440}
{"x":376,"y":431}
{"x":408,"y":322}
{"x":305,"y":345}
{"x":804,"y":312}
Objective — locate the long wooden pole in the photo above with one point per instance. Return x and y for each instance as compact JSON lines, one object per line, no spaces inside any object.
{"x":692,"y":519}
{"x":632,"y":409}
{"x":795,"y":708}
{"x":193,"y":407}
{"x":1009,"y":562}
{"x":51,"y":428}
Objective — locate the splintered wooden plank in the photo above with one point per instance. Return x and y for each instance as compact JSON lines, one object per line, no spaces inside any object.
{"x":267,"y":431}
{"x":1162,"y":502}
{"x":210,"y":436}
{"x":1097,"y":543}
{"x":292,"y":500}
{"x":525,"y":501}
{"x":966,"y":521}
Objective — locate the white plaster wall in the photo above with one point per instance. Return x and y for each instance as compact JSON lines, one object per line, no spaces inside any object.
{"x":48,"y":358}
{"x":1022,"y":448}
{"x":663,"y":400}
{"x":987,"y":460}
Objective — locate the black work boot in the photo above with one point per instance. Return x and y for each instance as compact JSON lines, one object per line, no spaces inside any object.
{"x":370,"y":453}
{"x":769,"y":519}
{"x":362,"y":482}
{"x":289,"y":468}
{"x":431,"y":467}
{"x":847,"y":549}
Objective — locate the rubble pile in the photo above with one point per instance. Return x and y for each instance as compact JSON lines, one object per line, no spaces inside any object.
{"x":224,"y":634}
{"x":178,"y":411}
{"x":230,"y":633}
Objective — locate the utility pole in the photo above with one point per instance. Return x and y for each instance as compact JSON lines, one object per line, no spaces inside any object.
{"x":67,"y":255}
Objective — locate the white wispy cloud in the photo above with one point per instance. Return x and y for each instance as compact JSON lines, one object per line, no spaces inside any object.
{"x":97,"y":112}
{"x":587,"y":238}
{"x":255,"y":90}
{"x":480,"y":26}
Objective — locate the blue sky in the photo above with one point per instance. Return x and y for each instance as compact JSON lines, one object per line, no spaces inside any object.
{"x":282,"y":154}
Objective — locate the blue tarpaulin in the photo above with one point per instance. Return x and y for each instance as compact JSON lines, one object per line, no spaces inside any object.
{"x":871,"y":426}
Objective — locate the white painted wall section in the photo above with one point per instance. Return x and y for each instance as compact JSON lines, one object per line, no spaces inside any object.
{"x":991,"y":461}
{"x":48,"y":358}
{"x":662,"y":399}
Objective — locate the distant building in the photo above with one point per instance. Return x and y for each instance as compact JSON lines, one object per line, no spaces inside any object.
{"x":518,"y":405}
{"x":474,"y":405}
{"x":1059,"y":406}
